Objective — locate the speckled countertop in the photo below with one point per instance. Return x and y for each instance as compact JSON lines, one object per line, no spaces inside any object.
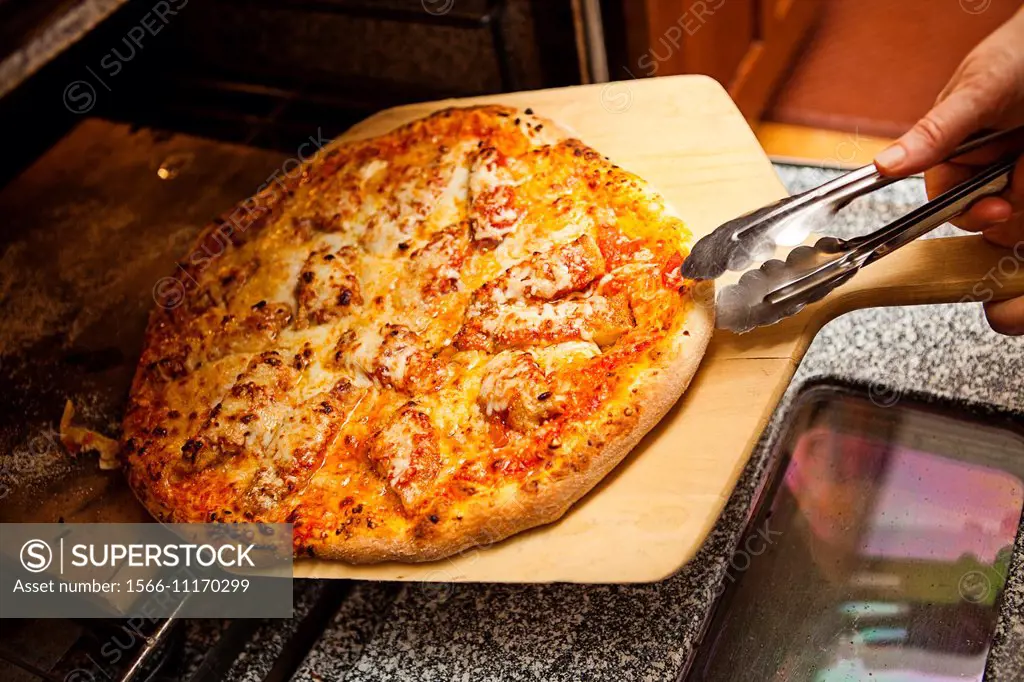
{"x":389,"y":632}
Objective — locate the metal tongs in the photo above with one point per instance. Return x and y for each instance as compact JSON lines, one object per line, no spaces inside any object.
{"x":771,"y":289}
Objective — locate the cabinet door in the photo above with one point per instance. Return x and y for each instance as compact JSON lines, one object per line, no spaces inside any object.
{"x":747,"y":45}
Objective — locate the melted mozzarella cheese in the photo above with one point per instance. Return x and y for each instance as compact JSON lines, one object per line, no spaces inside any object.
{"x":451,"y":411}
{"x":499,"y":372}
{"x":516,"y":315}
{"x":521,"y":245}
{"x":400,"y":463}
{"x":524,"y":280}
{"x":385,"y":232}
{"x":488,"y":173}
{"x":488,"y":230}
{"x":559,"y":355}
{"x":398,"y":362}
{"x":451,"y":203}
{"x":367,"y":345}
{"x":372,"y":168}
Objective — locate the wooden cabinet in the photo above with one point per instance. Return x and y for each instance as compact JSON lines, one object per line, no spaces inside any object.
{"x":747,"y":45}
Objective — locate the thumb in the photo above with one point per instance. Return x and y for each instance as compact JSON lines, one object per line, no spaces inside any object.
{"x":935,"y":136}
{"x":1006,"y":317}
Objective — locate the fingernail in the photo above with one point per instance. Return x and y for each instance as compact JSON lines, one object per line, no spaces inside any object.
{"x":891,"y":157}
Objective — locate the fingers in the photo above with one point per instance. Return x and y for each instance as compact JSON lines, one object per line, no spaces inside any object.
{"x":1002,"y":214}
{"x":982,"y":215}
{"x":1001,"y":219}
{"x":1006,"y":317}
{"x":945,"y":177}
{"x":935,"y":136}
{"x":987,"y":214}
{"x":1009,"y":235}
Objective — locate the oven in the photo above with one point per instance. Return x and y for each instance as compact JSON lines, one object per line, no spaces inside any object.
{"x":131,"y":125}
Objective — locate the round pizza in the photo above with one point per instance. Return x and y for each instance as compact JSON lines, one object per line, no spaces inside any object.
{"x":419,"y":343}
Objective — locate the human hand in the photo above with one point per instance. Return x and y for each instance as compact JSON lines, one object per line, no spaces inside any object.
{"x":987,"y":91}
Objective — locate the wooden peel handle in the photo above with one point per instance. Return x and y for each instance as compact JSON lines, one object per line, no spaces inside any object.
{"x":949,"y":270}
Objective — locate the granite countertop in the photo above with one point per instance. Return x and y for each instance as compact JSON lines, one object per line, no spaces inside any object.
{"x":646,"y":632}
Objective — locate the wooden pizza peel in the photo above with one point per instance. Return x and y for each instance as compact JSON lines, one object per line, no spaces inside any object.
{"x":649,"y":517}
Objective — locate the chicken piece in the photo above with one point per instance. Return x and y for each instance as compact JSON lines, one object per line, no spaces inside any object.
{"x":175,"y":352}
{"x":392,"y":356}
{"x":328,"y":286}
{"x":494,"y":210}
{"x":220,"y":286}
{"x":404,"y":363}
{"x":438,"y":264}
{"x":406,"y":454}
{"x":244,"y":421}
{"x":432,"y":192}
{"x":299,"y":447}
{"x":601,"y":319}
{"x":262,"y":323}
{"x":546,"y":276}
{"x":516,"y":390}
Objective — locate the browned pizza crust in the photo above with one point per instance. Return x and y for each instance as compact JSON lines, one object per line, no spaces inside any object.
{"x":422,"y":342}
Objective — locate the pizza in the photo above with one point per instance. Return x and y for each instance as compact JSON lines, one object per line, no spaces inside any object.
{"x":419,"y":343}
